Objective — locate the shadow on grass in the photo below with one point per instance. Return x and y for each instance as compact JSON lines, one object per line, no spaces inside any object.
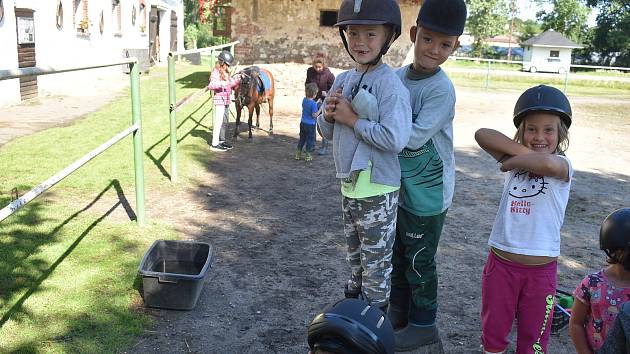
{"x":28,"y":281}
{"x":157,"y":161}
{"x":198,"y":80}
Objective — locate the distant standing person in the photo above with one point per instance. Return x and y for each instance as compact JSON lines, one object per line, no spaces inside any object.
{"x":323,"y":78}
{"x":222,"y":84}
{"x":307,"y":123}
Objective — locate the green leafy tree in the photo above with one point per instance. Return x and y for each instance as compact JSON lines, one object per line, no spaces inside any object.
{"x":191,"y":12}
{"x":527,"y":29}
{"x":611,"y":37}
{"x":486,"y":18}
{"x":568,"y":17}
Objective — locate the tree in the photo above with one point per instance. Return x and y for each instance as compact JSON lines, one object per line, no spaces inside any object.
{"x":527,"y":29}
{"x":611,"y":38}
{"x":486,"y":18}
{"x":568,"y":17}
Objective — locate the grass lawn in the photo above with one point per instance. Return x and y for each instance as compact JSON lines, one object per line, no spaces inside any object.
{"x":68,"y":270}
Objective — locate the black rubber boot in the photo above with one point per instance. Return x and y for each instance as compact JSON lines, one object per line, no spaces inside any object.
{"x":420,"y":331}
{"x":398,"y":317}
{"x":413,"y":337}
{"x":398,"y":313}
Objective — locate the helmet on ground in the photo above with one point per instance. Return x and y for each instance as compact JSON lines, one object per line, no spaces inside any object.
{"x":226,"y":57}
{"x":614,"y":234}
{"x":443,"y":16}
{"x":542,"y":98}
{"x":370,"y":12}
{"x":352,"y":326}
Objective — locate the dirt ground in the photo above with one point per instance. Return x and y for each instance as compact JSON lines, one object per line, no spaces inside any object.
{"x":275,"y":225}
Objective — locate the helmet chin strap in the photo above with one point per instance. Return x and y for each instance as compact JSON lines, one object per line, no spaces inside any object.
{"x":384,"y":50}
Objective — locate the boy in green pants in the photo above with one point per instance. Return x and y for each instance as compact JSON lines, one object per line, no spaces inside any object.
{"x":427,"y":173}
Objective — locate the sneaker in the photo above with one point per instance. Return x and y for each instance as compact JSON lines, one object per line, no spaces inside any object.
{"x":298,"y":155}
{"x":218,"y":147}
{"x":228,"y":146}
{"x":308,"y":157}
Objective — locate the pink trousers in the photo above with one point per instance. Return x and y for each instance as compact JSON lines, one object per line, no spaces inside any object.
{"x":515,"y":291}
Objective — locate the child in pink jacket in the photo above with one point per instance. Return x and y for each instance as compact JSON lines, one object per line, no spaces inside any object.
{"x":222,"y":84}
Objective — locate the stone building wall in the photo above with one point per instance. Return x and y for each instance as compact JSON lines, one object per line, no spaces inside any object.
{"x":276,"y":31}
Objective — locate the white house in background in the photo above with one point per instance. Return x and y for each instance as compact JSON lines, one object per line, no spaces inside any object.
{"x":64,"y":33}
{"x":550,"y":51}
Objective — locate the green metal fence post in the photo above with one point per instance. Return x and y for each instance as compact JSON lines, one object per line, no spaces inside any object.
{"x":173,"y":118}
{"x":137,"y":142}
{"x":488,"y":75}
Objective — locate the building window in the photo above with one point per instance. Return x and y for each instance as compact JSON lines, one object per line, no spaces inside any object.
{"x":327,"y":18}
{"x":554,"y":53}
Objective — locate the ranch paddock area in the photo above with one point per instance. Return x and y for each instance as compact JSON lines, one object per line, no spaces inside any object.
{"x":276,"y":229}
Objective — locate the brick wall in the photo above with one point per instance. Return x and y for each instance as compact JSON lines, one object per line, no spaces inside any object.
{"x":276,"y":31}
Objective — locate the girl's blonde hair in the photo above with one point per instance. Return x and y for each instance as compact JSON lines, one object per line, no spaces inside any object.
{"x":563,"y":135}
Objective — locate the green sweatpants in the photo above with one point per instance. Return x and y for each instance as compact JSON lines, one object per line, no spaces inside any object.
{"x":413,"y":258}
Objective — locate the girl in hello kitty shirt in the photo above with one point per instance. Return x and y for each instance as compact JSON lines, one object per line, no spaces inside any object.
{"x":519,"y":278}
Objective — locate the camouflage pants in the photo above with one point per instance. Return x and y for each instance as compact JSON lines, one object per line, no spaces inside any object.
{"x":370,"y":227}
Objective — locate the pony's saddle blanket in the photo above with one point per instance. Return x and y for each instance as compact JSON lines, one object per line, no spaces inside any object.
{"x":264,"y":81}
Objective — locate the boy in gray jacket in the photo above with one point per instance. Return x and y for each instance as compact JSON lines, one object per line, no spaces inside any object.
{"x":368,"y":117}
{"x":428,"y":173}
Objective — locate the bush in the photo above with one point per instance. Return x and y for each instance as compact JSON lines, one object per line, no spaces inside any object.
{"x":205,"y":37}
{"x":191,"y":34}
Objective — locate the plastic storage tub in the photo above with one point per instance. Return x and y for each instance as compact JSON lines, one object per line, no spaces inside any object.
{"x":173,"y":273}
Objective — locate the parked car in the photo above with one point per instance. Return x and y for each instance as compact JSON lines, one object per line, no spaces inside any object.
{"x":549,"y":65}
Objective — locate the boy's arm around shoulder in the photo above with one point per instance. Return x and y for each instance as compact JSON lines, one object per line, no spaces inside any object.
{"x":391,"y":133}
{"x":437,"y":111}
{"x":513,"y":155}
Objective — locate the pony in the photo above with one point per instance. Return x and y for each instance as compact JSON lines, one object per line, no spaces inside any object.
{"x":257,"y":86}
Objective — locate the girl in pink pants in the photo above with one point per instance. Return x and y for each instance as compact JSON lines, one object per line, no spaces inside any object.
{"x":519,"y":278}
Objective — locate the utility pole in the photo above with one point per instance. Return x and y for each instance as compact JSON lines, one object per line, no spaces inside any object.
{"x":513,"y":9}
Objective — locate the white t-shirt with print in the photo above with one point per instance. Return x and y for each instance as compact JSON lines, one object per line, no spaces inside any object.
{"x":531,"y":214}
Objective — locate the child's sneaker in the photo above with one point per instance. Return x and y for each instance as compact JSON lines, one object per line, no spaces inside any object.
{"x":298,"y":154}
{"x":218,"y":148}
{"x":308,"y":157}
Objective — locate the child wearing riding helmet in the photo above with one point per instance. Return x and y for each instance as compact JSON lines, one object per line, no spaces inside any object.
{"x":427,"y":173}
{"x":600,"y":295}
{"x":222,"y":84}
{"x":519,"y":278}
{"x":368,"y":118}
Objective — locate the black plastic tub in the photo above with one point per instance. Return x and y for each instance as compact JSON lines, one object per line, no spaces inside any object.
{"x":173,"y":273}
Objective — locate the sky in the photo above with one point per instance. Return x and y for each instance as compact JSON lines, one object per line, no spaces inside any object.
{"x":527,"y":11}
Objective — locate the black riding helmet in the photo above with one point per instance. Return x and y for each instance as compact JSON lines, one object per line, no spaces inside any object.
{"x":614,"y":235}
{"x":542,"y":98}
{"x":443,"y":16}
{"x":369,"y":12}
{"x":352,"y":326}
{"x":226,"y":57}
